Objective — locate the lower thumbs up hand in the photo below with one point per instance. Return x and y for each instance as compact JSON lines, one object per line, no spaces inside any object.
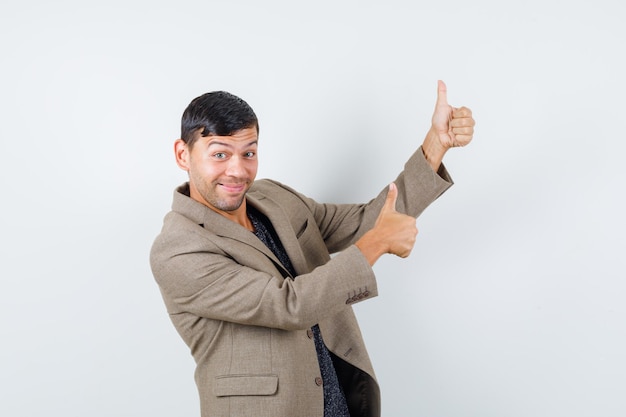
{"x":393,"y":232}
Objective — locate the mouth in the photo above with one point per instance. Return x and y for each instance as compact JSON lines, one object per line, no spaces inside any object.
{"x":233,"y":188}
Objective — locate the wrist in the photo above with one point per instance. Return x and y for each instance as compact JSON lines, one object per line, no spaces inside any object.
{"x":370,"y":247}
{"x":433,"y":150}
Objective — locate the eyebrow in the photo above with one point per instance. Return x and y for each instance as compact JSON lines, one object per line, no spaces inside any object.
{"x":228,"y":145}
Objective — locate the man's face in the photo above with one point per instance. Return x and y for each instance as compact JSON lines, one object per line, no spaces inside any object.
{"x":221,"y":168}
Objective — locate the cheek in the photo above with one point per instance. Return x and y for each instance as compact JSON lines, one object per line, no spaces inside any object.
{"x":252,"y":169}
{"x":205,"y":171}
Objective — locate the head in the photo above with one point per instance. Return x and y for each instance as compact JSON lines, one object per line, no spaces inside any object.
{"x":218,"y":149}
{"x":218,"y":113}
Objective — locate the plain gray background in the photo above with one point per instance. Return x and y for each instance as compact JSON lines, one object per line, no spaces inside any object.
{"x":512,"y":302}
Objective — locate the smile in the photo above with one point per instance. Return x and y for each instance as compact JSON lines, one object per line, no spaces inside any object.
{"x":233,"y":188}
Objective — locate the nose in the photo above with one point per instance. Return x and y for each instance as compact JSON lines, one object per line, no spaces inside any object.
{"x":236,"y":167}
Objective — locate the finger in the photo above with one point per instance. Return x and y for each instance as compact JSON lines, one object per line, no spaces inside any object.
{"x":463,"y":130}
{"x":442,"y":93}
{"x":392,"y":196}
{"x":462,"y":140}
{"x":462,"y":122}
{"x":462,"y":112}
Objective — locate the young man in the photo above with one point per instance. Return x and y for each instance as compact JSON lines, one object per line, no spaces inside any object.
{"x":245,"y":270}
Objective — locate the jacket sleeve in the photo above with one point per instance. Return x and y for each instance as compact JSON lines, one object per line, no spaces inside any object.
{"x":341,"y":225}
{"x":206,"y":276}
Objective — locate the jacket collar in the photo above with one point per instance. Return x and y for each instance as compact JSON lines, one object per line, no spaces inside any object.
{"x":221,"y":226}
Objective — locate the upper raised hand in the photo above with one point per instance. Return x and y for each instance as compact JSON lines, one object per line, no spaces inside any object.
{"x":453,"y":126}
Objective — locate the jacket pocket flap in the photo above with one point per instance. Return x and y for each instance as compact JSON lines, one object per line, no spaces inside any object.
{"x":228,"y":385}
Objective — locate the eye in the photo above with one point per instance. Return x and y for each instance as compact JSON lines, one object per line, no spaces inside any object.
{"x":220,"y":155}
{"x":249,"y":154}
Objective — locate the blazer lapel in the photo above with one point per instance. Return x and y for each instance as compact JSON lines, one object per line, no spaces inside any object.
{"x":221,"y":226}
{"x":282,"y":224}
{"x":227,"y":229}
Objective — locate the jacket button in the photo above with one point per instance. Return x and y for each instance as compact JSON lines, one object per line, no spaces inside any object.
{"x":309,"y":333}
{"x":318,"y":381}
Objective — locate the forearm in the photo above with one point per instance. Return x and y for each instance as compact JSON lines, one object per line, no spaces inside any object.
{"x":394,"y":230}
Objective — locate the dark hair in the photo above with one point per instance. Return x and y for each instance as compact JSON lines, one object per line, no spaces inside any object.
{"x":217,"y":113}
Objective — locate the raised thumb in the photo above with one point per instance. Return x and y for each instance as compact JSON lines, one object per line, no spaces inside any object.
{"x":442,"y":93}
{"x":392,"y":196}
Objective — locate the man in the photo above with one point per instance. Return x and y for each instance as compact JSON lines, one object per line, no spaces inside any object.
{"x":247,"y":277}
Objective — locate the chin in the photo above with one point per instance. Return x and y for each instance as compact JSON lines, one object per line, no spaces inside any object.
{"x":225,"y":206}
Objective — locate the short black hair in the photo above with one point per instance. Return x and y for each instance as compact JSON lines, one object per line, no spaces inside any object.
{"x":217,"y":113}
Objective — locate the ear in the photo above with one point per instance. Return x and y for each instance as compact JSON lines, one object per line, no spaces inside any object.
{"x":181,"y":153}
